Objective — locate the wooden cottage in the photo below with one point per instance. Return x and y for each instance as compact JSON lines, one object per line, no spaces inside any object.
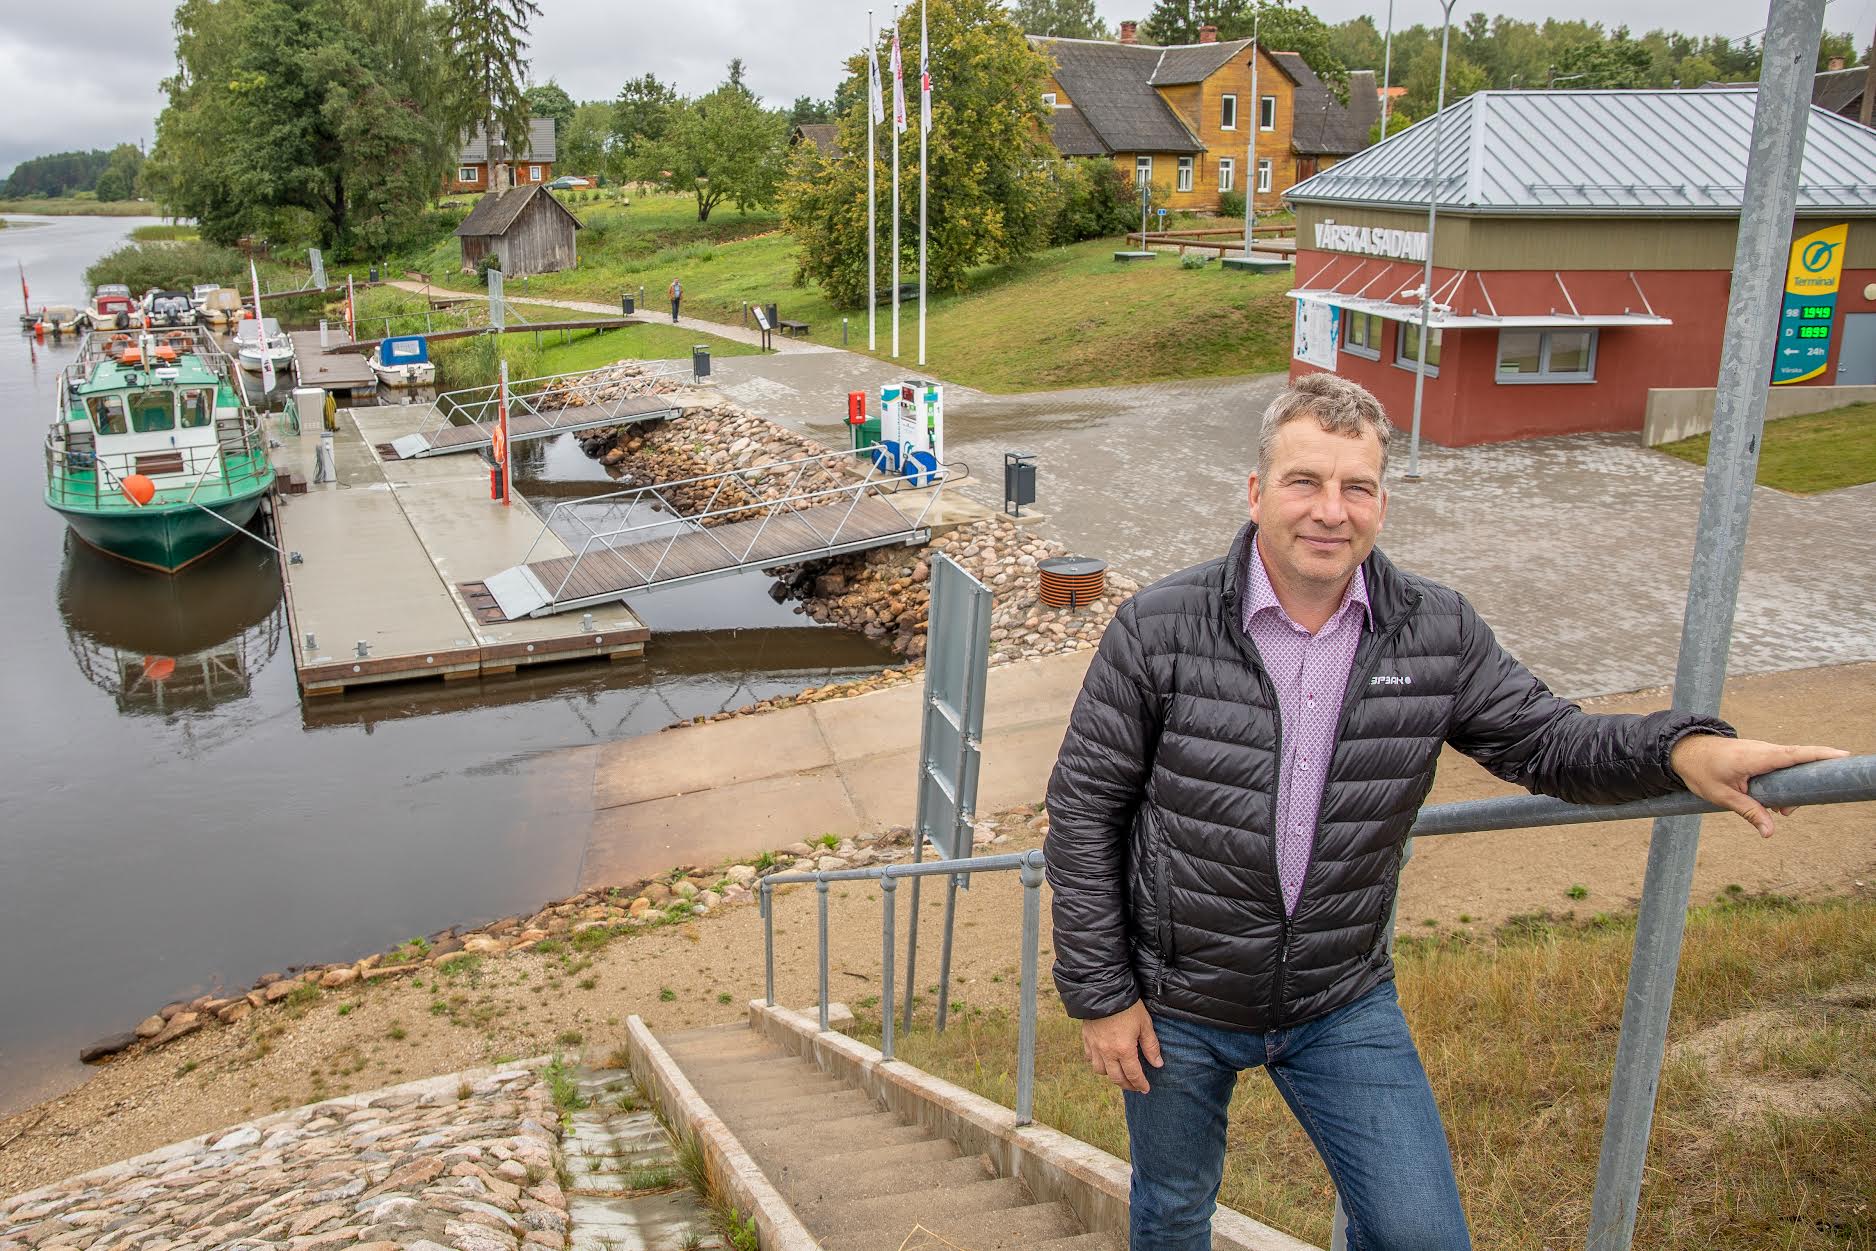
{"x":527,"y":227}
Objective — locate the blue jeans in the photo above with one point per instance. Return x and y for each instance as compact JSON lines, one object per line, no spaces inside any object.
{"x":1354,"y":1082}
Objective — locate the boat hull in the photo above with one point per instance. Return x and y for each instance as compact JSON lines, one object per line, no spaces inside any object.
{"x":405,"y":375}
{"x":164,"y":539}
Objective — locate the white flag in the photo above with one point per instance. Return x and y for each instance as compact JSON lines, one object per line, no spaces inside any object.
{"x":876,"y":98}
{"x":924,"y":85}
{"x":898,"y":85}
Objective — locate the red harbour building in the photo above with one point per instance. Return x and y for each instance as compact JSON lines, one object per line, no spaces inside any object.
{"x":1582,"y":263}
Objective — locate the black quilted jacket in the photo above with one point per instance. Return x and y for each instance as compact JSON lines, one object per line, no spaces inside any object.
{"x":1161,"y":807}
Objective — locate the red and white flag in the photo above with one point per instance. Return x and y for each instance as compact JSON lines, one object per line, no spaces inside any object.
{"x":924,"y":85}
{"x":351,"y":309}
{"x":898,"y":85}
{"x":25,"y":295}
{"x":875,"y":95}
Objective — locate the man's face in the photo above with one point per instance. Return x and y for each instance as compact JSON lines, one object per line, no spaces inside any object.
{"x":1320,"y":512}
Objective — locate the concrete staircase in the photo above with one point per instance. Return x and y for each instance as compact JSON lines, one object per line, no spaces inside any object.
{"x":625,"y":1190}
{"x":859,"y":1177}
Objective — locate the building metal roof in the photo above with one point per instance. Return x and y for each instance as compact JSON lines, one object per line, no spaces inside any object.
{"x":1111,"y":85}
{"x":541,"y":147}
{"x":1596,"y":153}
{"x":495,"y":212}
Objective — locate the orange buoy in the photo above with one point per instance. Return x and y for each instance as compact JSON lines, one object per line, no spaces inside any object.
{"x":158,"y":668}
{"x":140,"y":489}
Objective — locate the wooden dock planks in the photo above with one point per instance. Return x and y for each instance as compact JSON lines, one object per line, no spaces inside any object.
{"x":780,"y":539}
{"x":314,"y":366}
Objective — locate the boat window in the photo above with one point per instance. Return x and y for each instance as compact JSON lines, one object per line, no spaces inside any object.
{"x":196,"y":409}
{"x":107,"y":414}
{"x":151,"y":411}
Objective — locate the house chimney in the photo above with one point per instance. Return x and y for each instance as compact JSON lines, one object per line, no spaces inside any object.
{"x":1835,"y":63}
{"x":1208,"y":33}
{"x":1129,"y":32}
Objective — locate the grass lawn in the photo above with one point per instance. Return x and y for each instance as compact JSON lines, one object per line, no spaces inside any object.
{"x":1816,"y":452}
{"x":1068,"y":317}
{"x":72,"y":207}
{"x":166,"y":233}
{"x":1767,"y":1103}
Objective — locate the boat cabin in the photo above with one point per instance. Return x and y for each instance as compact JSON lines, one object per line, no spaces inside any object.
{"x":404,"y":350}
{"x":151,"y":403}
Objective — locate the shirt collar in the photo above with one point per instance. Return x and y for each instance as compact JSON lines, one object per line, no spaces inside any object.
{"x":1263,"y":596}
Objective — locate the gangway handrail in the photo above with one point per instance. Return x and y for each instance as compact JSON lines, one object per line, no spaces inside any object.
{"x":1849,"y":779}
{"x":486,"y":398}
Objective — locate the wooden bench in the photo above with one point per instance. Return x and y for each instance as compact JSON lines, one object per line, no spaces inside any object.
{"x":797,"y":328}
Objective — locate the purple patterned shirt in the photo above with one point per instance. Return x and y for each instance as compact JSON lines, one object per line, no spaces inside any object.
{"x":1310,"y":672}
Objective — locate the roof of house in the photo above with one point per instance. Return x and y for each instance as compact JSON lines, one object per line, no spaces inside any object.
{"x":823,"y":135}
{"x":1596,"y":152}
{"x":1838,"y":90}
{"x":495,"y":212}
{"x":541,"y":147}
{"x":1111,"y":85}
{"x":1072,"y":134}
{"x":1324,"y":125}
{"x":1181,"y":64}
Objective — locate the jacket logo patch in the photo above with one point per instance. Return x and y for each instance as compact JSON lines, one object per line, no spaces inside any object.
{"x":1391,"y":679}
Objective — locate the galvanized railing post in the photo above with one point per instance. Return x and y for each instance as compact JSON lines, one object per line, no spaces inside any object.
{"x":768,"y":943}
{"x":1026,"y":1028}
{"x":944,"y":951}
{"x":820,"y":889}
{"x":890,"y":889}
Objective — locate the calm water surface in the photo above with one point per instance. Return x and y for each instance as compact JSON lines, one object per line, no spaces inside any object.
{"x":160,"y":837}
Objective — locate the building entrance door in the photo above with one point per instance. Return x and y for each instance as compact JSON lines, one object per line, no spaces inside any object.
{"x":1856,"y":359}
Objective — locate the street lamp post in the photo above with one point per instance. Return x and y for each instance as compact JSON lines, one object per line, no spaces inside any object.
{"x":1426,"y":273}
{"x":1387,"y":67}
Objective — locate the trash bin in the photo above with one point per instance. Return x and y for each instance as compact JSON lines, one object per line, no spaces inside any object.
{"x":1019,"y":481}
{"x":700,"y":362}
{"x":866,"y":434}
{"x":627,"y":304}
{"x":374,"y":274}
{"x":775,"y":321}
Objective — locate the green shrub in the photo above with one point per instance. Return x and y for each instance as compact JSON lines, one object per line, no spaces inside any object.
{"x":488,"y":261}
{"x":1094,"y":198}
{"x":1231,"y":205}
{"x":1195,"y":260}
{"x":170,"y":265}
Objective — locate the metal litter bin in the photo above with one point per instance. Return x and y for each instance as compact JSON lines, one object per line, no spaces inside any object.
{"x":627,"y":304}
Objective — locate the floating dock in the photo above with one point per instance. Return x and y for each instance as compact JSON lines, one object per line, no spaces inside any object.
{"x":328,"y":367}
{"x":376,"y":561}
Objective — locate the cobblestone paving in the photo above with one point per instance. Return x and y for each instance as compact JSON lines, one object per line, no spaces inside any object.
{"x":1575,"y":549}
{"x":464,"y":1161}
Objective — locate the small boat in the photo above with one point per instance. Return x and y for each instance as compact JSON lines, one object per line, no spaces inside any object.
{"x":403,"y":362}
{"x":62,"y":319}
{"x":112,"y":306}
{"x":262,"y":338}
{"x":164,"y":310}
{"x":155,"y":457}
{"x":221,"y":306}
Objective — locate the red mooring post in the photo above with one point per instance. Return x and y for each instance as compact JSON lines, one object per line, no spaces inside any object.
{"x":503,"y":458}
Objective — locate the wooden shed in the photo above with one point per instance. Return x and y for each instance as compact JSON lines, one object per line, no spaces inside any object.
{"x":527,"y":227}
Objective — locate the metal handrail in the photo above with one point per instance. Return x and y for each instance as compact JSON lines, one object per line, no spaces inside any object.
{"x":1851,"y":779}
{"x":484,"y":399}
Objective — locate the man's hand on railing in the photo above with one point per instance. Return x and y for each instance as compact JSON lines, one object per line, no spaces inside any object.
{"x":1719,"y":770}
{"x":1116,"y":1044}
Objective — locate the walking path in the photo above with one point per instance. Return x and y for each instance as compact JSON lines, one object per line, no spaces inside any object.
{"x":722,"y":330}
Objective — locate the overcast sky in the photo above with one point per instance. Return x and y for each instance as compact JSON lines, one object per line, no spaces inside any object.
{"x":74,"y":87}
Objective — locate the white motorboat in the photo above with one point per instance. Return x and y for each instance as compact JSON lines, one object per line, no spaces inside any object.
{"x":166,"y":310}
{"x":403,"y":362}
{"x":260,"y":340}
{"x":112,"y":307}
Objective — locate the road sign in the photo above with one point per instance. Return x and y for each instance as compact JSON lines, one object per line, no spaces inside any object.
{"x":1810,"y":312}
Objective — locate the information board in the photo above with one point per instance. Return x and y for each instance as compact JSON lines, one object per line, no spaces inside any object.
{"x":1810,"y":313}
{"x":1318,"y":328}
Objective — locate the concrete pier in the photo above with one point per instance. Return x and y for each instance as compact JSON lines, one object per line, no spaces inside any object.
{"x":328,"y":367}
{"x":383,"y":556}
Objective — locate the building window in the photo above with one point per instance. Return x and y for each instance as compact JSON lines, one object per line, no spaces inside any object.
{"x":1547,"y":356}
{"x":1048,"y":99}
{"x":534,"y":173}
{"x":1407,"y":348}
{"x":1142,"y":172}
{"x":1267,"y":113}
{"x":1227,"y":173}
{"x":468,"y":173}
{"x":1263,"y":175}
{"x":1228,"y":113}
{"x":1185,"y":173}
{"x":1363,"y":336}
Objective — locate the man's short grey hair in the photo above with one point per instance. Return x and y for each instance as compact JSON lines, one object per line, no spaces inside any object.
{"x":1338,"y":405}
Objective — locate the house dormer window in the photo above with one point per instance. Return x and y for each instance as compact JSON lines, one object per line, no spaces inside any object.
{"x":1228,"y":113}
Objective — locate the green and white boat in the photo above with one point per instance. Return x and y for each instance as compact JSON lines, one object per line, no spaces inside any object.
{"x":156,"y":458}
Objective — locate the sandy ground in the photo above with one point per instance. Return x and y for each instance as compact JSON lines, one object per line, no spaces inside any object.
{"x":360,"y":1038}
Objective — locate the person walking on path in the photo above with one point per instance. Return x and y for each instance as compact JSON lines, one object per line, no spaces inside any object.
{"x":1227,"y":813}
{"x":677,"y":297}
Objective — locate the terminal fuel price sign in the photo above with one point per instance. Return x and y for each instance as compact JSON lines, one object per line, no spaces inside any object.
{"x":1804,"y":327}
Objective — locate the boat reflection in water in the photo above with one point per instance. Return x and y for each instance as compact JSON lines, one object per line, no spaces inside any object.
{"x":166,"y":645}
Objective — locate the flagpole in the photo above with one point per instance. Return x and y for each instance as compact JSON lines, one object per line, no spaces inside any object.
{"x":872,"y":195}
{"x":898,"y":111}
{"x":924,"y":172}
{"x":1257,"y":121}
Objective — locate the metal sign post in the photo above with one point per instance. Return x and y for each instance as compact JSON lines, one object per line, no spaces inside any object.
{"x":1765,"y":218}
{"x":957,"y":664}
{"x":318,"y":263}
{"x":498,"y":315}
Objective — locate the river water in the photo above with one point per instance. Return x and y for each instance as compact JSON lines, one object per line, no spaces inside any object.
{"x":158,"y":838}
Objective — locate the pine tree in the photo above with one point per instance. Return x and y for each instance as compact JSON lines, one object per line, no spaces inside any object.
{"x":1064,"y":19}
{"x":488,"y":43}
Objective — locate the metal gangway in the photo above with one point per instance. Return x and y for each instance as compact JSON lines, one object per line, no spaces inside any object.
{"x":539,"y":408}
{"x":640,"y":540}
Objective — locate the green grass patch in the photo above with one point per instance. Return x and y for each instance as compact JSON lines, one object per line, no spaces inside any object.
{"x":1804,"y":455}
{"x":1767,"y":1102}
{"x":74,"y":207}
{"x":163,"y":233}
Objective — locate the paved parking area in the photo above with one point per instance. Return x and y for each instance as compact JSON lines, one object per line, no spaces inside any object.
{"x":1575,"y":549}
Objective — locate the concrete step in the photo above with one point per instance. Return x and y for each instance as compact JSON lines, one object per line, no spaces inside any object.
{"x":1084,"y":1242}
{"x":1007,"y":1229}
{"x":885,"y":1172}
{"x":809,"y":1082}
{"x":838,"y":1212}
{"x":795,"y":1109}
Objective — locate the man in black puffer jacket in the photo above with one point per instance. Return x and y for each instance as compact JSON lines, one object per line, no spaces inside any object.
{"x":1251,"y":744}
